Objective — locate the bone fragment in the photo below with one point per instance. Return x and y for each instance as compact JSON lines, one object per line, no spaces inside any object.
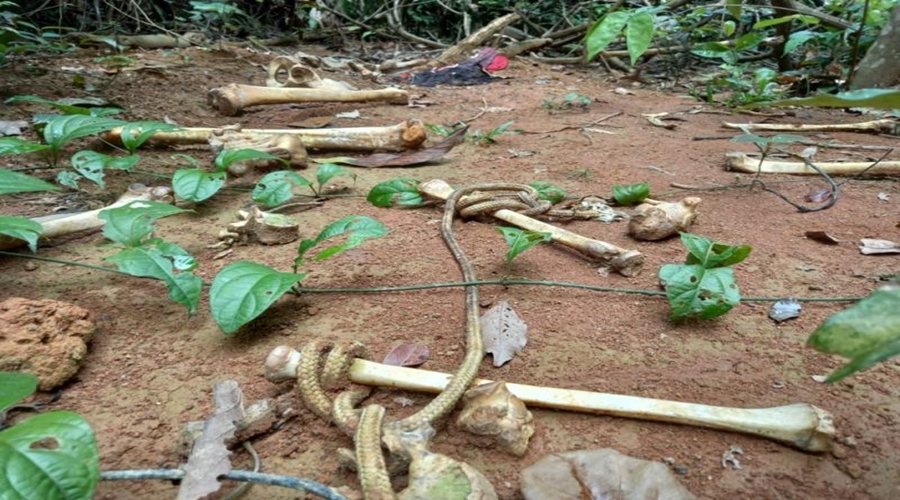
{"x":625,"y":262}
{"x":287,"y":72}
{"x":887,"y":126}
{"x":286,"y":147}
{"x":745,"y":163}
{"x":655,"y":220}
{"x":407,"y":135}
{"x":801,"y":425}
{"x":233,"y":98}
{"x":63,"y":224}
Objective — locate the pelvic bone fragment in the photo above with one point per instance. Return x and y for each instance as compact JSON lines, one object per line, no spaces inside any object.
{"x":801,"y":425}
{"x":233,"y":98}
{"x":299,"y":75}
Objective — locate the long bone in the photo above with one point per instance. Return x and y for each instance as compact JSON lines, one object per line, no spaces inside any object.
{"x":63,"y":224}
{"x":800,"y":425}
{"x":406,"y":135}
{"x":233,"y":98}
{"x":626,"y":262}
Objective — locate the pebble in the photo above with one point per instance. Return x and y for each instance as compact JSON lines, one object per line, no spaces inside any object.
{"x":854,"y":471}
{"x":850,"y":441}
{"x":839,"y":452}
{"x":31,"y":265}
{"x":680,"y":470}
{"x":669,"y":461}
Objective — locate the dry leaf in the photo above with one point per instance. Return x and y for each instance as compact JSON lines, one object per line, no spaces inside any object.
{"x":407,"y":355}
{"x":656,"y":120}
{"x":312,"y":122}
{"x":12,"y":127}
{"x":209,"y":458}
{"x":822,"y":237}
{"x":869,"y":246}
{"x":809,"y":152}
{"x":504,"y":332}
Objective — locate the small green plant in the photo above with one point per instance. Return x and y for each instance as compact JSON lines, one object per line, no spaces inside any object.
{"x":867,"y":332}
{"x":277,"y":188}
{"x":487,"y":138}
{"x":547,"y":191}
{"x":20,"y":227}
{"x":520,"y":240}
{"x":197,"y":185}
{"x":704,"y":286}
{"x":631,"y":193}
{"x":760,"y":85}
{"x":569,"y":101}
{"x":639,"y":26}
{"x":403,"y":192}
{"x":50,"y":455}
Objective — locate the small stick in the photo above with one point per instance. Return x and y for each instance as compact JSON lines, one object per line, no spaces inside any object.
{"x":886,"y":125}
{"x":626,"y":262}
{"x":801,"y":425}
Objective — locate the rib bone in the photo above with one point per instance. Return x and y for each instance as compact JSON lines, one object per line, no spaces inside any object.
{"x":626,"y":262}
{"x":801,"y":425}
{"x":233,"y":98}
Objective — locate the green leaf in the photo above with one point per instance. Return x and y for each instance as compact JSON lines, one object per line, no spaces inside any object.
{"x":68,"y":178}
{"x":520,"y":240}
{"x":734,"y":8}
{"x":710,"y":254}
{"x":549,"y":192}
{"x":403,"y":192}
{"x":603,"y":32}
{"x":14,"y":182}
{"x":129,"y":224}
{"x":360,"y":229}
{"x":21,"y":229}
{"x":63,"y":129}
{"x":711,"y":50}
{"x":49,"y":456}
{"x":244,"y":290}
{"x":59,"y":106}
{"x":631,"y":193}
{"x":749,"y":41}
{"x":328,"y":171}
{"x":16,"y":146}
{"x":191,"y":184}
{"x":90,"y":164}
{"x":784,"y":19}
{"x":694,"y":291}
{"x":14,"y":387}
{"x":864,"y":98}
{"x":277,"y":187}
{"x":228,"y":156}
{"x":145,"y":262}
{"x":639,"y":34}
{"x":867,"y":332}
{"x":136,"y":133}
{"x":797,"y":39}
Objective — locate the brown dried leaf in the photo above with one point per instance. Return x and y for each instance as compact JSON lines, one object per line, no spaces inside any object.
{"x":869,"y":246}
{"x":409,"y":158}
{"x":822,"y":237}
{"x":504,"y":332}
{"x":312,"y":122}
{"x":209,"y":458}
{"x":407,"y":355}
{"x":818,"y":195}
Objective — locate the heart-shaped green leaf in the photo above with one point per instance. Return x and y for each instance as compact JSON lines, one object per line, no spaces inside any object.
{"x":631,"y":193}
{"x":360,"y":229}
{"x":133,"y":135}
{"x":520,"y":240}
{"x":228,"y":156}
{"x":639,"y":34}
{"x":603,"y":32}
{"x":403,"y":192}
{"x":549,"y":192}
{"x":191,"y":184}
{"x":129,"y":224}
{"x":22,"y":229}
{"x":244,"y":290}
{"x":277,"y":187}
{"x":91,"y":164}
{"x":49,"y":456}
{"x":697,"y":292}
{"x":143,"y":262}
{"x":327,"y":171}
{"x":62,"y":129}
{"x":709,"y":254}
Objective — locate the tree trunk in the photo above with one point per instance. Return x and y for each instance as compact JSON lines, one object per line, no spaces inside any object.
{"x":879,"y":67}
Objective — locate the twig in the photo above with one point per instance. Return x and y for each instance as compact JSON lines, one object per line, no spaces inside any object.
{"x":257,"y":464}
{"x":649,"y":52}
{"x":395,"y":20}
{"x":572,"y":127}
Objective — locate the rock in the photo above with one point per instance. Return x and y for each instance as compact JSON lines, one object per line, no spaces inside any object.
{"x":605,"y":473}
{"x":47,"y":338}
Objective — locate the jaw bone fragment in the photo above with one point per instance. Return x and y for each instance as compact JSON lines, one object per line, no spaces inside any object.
{"x":233,"y":98}
{"x":63,"y":224}
{"x":656,"y":220}
{"x":406,"y":135}
{"x":801,"y":425}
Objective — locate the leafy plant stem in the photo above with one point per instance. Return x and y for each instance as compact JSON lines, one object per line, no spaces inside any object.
{"x":427,"y":286}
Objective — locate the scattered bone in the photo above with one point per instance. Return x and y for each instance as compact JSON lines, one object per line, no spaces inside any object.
{"x":656,"y":220}
{"x":61,"y":225}
{"x":626,"y":262}
{"x":743,"y":162}
{"x":492,"y":411}
{"x":605,"y":213}
{"x":887,"y":126}
{"x":406,"y":135}
{"x":256,"y":226}
{"x":288,"y":148}
{"x":729,"y":458}
{"x":233,"y":98}
{"x":300,"y":76}
{"x":801,"y":425}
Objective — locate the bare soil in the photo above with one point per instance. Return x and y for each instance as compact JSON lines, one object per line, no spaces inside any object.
{"x":150,"y":368}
